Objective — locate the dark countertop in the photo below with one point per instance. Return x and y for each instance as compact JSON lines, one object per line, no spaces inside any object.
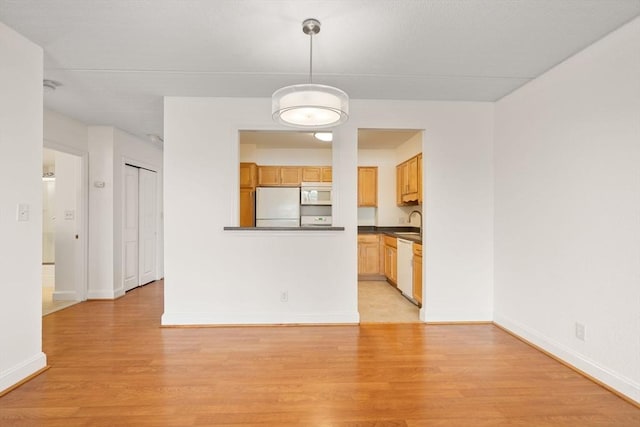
{"x":317,"y":228}
{"x":392,"y":231}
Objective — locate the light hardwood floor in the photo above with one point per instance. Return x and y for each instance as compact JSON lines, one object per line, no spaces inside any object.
{"x":113,"y":365}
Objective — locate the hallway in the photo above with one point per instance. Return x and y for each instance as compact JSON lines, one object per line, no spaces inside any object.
{"x":113,"y":365}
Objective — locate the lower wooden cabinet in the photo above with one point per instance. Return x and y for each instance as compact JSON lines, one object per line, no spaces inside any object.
{"x":247,"y":207}
{"x":391,"y":260}
{"x":368,"y":256}
{"x":417,"y":273}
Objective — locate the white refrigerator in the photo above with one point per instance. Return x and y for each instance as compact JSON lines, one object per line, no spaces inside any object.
{"x":278,"y":207}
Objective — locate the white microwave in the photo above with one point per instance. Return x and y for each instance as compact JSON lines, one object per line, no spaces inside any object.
{"x":315,"y":193}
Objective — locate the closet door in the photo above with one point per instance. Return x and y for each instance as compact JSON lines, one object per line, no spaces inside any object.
{"x":131,"y":213}
{"x":147,"y":225}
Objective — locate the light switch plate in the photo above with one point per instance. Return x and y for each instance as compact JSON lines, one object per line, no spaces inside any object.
{"x":23,"y":212}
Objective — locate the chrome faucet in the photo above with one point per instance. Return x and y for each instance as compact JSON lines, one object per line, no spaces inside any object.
{"x":409,"y":220}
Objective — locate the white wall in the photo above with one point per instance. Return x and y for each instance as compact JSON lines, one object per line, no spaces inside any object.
{"x":21,"y":183}
{"x":101,"y":213}
{"x":567,"y":156}
{"x":107,"y":149}
{"x":64,"y":133}
{"x":137,"y":152}
{"x":216,"y":276}
{"x":110,"y":150}
{"x":285,"y":156}
{"x":458,"y":198}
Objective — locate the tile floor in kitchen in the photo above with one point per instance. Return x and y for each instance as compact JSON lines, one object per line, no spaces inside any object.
{"x":379,"y":302}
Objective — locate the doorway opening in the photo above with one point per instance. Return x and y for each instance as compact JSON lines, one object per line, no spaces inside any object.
{"x":140,"y":220}
{"x":390,"y":234}
{"x":63,"y":236}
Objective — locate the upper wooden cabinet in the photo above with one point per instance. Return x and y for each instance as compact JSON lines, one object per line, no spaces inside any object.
{"x":326,"y":174}
{"x":279,"y":176}
{"x":316,"y":174}
{"x":290,"y":175}
{"x":408,"y":186}
{"x":368,"y":186}
{"x":268,"y":175}
{"x":420,"y":179}
{"x":248,"y":175}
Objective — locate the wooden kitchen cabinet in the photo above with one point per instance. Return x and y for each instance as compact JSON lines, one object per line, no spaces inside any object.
{"x":290,"y":176}
{"x":368,"y":186}
{"x":247,"y":207}
{"x":407,"y":184}
{"x":248,"y":182}
{"x":285,"y":176}
{"x":420,"y":179}
{"x":399,"y":184}
{"x":391,"y":260}
{"x":368,"y":256}
{"x":248,"y":175}
{"x":316,"y":174}
{"x":417,"y":273}
{"x":268,"y":175}
{"x":311,"y":174}
{"x":326,"y":174}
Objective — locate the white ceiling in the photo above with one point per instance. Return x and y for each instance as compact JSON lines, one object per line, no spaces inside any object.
{"x":117,"y":58}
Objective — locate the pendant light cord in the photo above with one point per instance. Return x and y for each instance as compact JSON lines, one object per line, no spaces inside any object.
{"x":311,"y":57}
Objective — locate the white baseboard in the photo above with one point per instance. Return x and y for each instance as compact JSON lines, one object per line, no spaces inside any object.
{"x":430,"y":315}
{"x":183,"y":319}
{"x":617,"y":382}
{"x":17,"y":373}
{"x":65,"y":296}
{"x":100,"y":294}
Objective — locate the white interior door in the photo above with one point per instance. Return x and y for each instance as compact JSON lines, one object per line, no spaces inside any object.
{"x":147,"y":225}
{"x":66,"y":210}
{"x":131,"y":219}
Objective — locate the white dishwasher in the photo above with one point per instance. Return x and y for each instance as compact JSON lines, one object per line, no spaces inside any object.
{"x":405,"y":267}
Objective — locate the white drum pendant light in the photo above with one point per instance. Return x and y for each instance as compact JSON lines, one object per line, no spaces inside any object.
{"x":310,"y":105}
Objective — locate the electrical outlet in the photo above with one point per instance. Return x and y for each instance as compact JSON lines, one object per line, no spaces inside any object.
{"x":284,"y":296}
{"x":580,"y":331}
{"x":401,"y":220}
